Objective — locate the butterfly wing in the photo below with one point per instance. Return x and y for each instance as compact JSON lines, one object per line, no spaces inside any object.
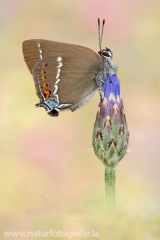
{"x":64,"y":74}
{"x":37,"y":49}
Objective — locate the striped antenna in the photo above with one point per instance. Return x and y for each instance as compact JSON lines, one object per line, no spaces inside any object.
{"x":99,"y":34}
{"x":102,"y":30}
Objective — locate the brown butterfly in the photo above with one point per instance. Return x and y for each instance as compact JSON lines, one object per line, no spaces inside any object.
{"x":66,"y":75}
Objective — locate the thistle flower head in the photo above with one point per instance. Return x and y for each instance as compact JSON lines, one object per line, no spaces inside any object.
{"x":110,"y":134}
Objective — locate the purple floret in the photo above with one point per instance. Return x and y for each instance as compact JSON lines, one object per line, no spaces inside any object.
{"x":112,"y":86}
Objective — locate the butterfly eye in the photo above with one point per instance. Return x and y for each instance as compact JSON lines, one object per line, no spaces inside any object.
{"x":106,"y":53}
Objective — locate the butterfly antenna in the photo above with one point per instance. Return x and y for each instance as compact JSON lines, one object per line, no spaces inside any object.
{"x":99,"y":34}
{"x":102,"y":29}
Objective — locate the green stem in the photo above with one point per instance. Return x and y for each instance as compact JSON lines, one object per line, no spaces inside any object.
{"x":110,"y":187}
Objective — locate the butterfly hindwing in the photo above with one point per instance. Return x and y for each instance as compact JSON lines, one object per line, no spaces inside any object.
{"x":66,"y":78}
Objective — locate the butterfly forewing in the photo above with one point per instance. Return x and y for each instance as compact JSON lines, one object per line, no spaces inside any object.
{"x":37,"y":49}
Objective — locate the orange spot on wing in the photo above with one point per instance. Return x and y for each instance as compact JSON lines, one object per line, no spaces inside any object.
{"x":47,"y":93}
{"x":44,"y":85}
{"x":43,"y":72}
{"x":43,"y":77}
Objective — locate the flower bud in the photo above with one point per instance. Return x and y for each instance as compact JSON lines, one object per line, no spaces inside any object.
{"x":110,"y":134}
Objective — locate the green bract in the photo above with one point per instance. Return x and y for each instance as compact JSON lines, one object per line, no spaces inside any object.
{"x":110,"y":134}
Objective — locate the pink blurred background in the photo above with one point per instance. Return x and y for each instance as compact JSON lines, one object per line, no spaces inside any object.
{"x":49,"y":176}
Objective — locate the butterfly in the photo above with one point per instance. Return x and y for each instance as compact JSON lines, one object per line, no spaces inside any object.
{"x":66,"y":75}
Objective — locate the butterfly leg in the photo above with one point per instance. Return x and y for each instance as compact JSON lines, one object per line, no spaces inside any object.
{"x":108,"y":78}
{"x":97,"y":81}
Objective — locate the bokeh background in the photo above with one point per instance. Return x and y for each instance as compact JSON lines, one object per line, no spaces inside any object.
{"x":49,"y":175}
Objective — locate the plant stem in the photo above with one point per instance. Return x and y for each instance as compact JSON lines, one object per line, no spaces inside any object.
{"x":110,"y":187}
